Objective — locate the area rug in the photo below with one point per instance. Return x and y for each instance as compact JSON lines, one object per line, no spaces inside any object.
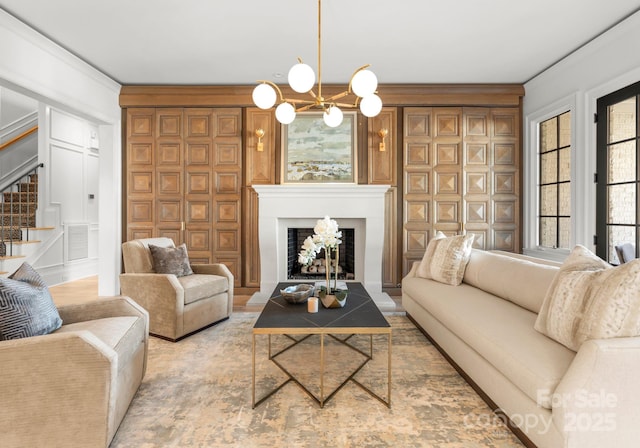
{"x":197,"y":393}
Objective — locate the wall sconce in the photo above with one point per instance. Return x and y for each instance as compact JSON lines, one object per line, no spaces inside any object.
{"x":260,"y":134}
{"x":383,"y":134}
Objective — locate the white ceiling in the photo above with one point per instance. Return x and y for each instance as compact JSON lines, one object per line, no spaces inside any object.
{"x":240,"y":41}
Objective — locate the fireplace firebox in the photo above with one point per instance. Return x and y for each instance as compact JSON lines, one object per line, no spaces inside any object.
{"x":346,"y":260}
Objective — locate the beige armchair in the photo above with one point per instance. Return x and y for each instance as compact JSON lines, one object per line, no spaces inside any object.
{"x":71,"y":388}
{"x":177,"y":306}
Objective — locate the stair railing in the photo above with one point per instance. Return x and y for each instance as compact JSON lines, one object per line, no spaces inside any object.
{"x":24,"y":207}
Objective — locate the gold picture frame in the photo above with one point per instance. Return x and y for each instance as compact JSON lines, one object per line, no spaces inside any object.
{"x":313,"y":152}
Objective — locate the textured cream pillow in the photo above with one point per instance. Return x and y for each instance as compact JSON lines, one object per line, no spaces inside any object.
{"x":446,"y":258}
{"x":424,"y":269}
{"x":589,"y":299}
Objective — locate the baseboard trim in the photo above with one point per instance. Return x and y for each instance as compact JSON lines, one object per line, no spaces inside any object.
{"x":494,"y":407}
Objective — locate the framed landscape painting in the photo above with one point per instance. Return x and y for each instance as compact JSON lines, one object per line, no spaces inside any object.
{"x":313,"y":152}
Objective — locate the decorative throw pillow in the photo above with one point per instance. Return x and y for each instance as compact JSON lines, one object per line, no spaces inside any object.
{"x":589,"y":299}
{"x":171,"y":260}
{"x":424,"y":269}
{"x":26,"y":307}
{"x":446,"y":258}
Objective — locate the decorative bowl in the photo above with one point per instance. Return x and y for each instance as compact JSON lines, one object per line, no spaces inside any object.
{"x":297,"y":293}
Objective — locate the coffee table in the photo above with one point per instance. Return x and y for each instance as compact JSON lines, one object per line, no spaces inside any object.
{"x":360,"y":315}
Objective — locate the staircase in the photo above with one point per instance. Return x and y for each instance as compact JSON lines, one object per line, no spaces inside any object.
{"x":18,"y":204}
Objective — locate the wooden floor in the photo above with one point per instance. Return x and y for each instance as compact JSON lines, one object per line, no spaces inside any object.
{"x":79,"y":291}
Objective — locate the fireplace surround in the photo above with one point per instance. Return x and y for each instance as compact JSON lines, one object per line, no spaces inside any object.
{"x":360,"y":207}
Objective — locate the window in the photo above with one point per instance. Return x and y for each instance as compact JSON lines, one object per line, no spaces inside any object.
{"x":618,"y":179}
{"x":554,"y":187}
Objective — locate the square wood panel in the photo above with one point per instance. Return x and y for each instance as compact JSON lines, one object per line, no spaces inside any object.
{"x":504,"y":212}
{"x":416,"y":240}
{"x":479,"y":239}
{"x":141,"y":125}
{"x":417,"y":154}
{"x":447,"y":183}
{"x":140,"y":211}
{"x":447,"y":154}
{"x":141,"y":154}
{"x":477,"y":125}
{"x":169,"y":211}
{"x":227,"y":211}
{"x":140,"y":182}
{"x":227,"y":240}
{"x":504,"y":125}
{"x":417,"y":125}
{"x":417,"y":211}
{"x":477,"y":212}
{"x":227,"y":183}
{"x":417,"y":183}
{"x":169,"y":154}
{"x":198,"y":183}
{"x":198,"y":126}
{"x":504,"y":183}
{"x":169,"y":125}
{"x":476,"y":183}
{"x":447,"y":125}
{"x":228,"y":126}
{"x":504,"y":153}
{"x":169,"y":182}
{"x":447,"y":212}
{"x":198,"y":211}
{"x":476,"y":154}
{"x":198,"y":240}
{"x":504,"y":240}
{"x":227,"y":154}
{"x":198,"y":154}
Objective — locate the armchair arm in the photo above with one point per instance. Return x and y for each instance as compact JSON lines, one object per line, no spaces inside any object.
{"x":57,"y":390}
{"x":596,"y":403}
{"x":161,"y":293}
{"x":217,"y":269}
{"x":101,"y":308}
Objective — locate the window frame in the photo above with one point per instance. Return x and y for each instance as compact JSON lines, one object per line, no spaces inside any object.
{"x":531,"y":178}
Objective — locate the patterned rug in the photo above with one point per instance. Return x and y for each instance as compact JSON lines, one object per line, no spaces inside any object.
{"x":197,"y":393}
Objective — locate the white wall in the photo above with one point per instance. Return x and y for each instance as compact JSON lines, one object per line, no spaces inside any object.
{"x":604,"y":65}
{"x":34,"y":66}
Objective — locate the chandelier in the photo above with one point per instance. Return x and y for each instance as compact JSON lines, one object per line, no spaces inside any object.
{"x":301,"y":78}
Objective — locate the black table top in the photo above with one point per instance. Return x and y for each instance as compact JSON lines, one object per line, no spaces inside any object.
{"x":360,"y":311}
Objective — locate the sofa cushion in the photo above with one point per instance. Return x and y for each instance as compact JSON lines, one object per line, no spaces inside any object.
{"x":197,"y":286}
{"x":124,"y":334}
{"x":171,"y":260}
{"x":499,"y":331}
{"x":26,"y":307}
{"x":445,"y":259}
{"x":589,"y":299}
{"x":519,"y":280}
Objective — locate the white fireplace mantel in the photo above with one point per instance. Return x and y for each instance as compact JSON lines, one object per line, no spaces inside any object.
{"x":282,"y":204}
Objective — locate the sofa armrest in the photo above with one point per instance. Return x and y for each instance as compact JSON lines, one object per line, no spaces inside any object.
{"x":596,"y":402}
{"x":102,"y":308}
{"x":217,"y":269}
{"x":57,"y":390}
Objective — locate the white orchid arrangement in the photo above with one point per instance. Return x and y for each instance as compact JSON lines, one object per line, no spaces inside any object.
{"x":326,"y":236}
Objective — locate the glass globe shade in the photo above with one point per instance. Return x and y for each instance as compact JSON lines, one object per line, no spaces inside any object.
{"x":301,"y":78}
{"x":364,"y":83}
{"x":371,"y":105}
{"x":332,"y":117}
{"x":285,"y":113}
{"x":264,"y":96}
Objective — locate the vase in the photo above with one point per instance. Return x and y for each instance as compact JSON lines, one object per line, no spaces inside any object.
{"x":337,"y":299}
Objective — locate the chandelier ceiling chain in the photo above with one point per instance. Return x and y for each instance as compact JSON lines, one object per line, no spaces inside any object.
{"x":301,"y":78}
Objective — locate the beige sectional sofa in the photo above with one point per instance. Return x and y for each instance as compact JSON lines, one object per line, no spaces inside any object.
{"x":554,"y":396}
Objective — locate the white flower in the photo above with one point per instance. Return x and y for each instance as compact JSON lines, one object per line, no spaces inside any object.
{"x":326,"y":235}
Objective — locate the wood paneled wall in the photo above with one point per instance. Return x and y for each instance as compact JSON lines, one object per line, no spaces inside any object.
{"x":452,"y":158}
{"x":183,"y":180}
